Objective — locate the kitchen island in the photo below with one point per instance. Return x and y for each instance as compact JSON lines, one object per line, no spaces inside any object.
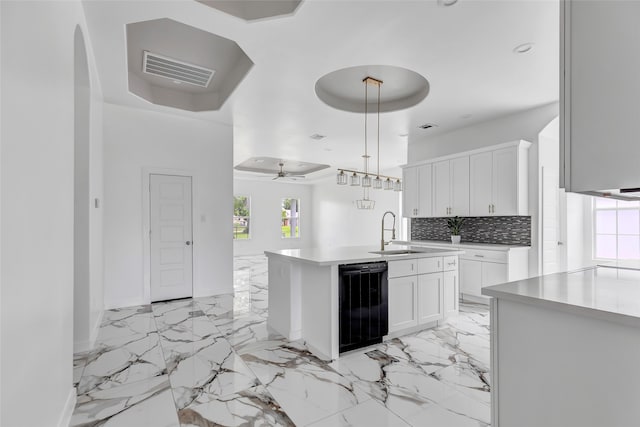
{"x":304,"y":289}
{"x":565,"y":349}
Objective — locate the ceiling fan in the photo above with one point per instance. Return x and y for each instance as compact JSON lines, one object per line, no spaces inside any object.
{"x":283,"y":174}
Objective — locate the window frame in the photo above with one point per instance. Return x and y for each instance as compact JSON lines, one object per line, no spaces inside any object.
{"x":594,"y":232}
{"x":299,"y":217}
{"x":248,"y":218}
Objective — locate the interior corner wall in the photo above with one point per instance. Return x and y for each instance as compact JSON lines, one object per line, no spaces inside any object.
{"x":37,"y":199}
{"x":136,"y":140}
{"x":337,"y":222}
{"x":524,"y":125}
{"x":266,"y":215}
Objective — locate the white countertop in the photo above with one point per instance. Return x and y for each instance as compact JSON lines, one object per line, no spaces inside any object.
{"x":461,"y":245}
{"x":603,"y":292}
{"x":357,"y":254}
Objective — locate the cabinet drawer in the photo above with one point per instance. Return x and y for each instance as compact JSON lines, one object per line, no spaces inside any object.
{"x":402,"y":268}
{"x":483,"y":255}
{"x":450,"y":263}
{"x":429,"y":265}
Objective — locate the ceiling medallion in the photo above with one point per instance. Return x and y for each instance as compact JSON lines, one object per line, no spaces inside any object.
{"x":368,"y":181}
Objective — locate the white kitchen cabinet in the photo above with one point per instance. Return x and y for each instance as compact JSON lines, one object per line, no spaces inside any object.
{"x":450,"y":292}
{"x":430,"y":297}
{"x":480,"y":268}
{"x":403,"y":310}
{"x":494,"y":273}
{"x":451,"y":187}
{"x":417,"y":191}
{"x":470,"y":277}
{"x":422,"y":291}
{"x":498,"y":181}
{"x":599,"y":95}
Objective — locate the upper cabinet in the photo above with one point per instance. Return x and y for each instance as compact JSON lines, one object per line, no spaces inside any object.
{"x":498,"y":181}
{"x":417,"y":191}
{"x":451,"y":187}
{"x":599,"y":95}
{"x":488,"y":182}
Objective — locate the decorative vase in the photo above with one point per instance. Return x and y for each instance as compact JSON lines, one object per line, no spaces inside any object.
{"x":455,"y":239}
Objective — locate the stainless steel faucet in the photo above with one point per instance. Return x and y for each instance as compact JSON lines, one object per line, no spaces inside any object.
{"x":393,"y":230}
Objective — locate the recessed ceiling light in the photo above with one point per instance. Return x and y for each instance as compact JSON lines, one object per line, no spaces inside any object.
{"x":446,"y":3}
{"x":427,"y":126}
{"x":317,"y":136}
{"x":523,"y":48}
{"x":259,"y":160}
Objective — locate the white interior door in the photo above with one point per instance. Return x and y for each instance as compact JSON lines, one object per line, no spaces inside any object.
{"x":550,"y":222}
{"x":170,"y":237}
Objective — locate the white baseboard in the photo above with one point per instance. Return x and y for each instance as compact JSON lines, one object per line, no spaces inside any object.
{"x":69,"y":406}
{"x":476,"y":299}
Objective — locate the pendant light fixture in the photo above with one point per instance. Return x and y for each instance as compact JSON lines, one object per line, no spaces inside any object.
{"x":369,"y":180}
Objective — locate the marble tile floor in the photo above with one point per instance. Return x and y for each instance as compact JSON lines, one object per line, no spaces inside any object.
{"x":212,"y":362}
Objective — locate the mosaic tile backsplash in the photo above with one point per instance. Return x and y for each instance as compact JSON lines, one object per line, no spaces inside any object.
{"x":504,"y":230}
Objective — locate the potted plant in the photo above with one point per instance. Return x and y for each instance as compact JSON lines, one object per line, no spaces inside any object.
{"x":455,"y":224}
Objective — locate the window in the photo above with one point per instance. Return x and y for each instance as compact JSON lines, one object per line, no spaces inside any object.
{"x":616,"y":229}
{"x":290,"y":218}
{"x":241,"y":217}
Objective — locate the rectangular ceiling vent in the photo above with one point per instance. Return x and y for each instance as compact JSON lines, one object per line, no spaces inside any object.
{"x":427,"y":126}
{"x":178,"y":71}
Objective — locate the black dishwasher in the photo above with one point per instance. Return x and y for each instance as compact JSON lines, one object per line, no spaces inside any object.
{"x":363,"y":304}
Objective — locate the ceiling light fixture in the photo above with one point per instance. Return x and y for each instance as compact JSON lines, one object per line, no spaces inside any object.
{"x":368,"y":181}
{"x":523,"y":48}
{"x":446,"y":3}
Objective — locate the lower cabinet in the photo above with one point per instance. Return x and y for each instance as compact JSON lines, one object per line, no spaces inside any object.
{"x":402,"y":303}
{"x":429,"y":297}
{"x":425,"y":297}
{"x":451,"y":292}
{"x":475,"y":275}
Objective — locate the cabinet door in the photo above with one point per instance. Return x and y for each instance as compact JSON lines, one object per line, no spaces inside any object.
{"x":441,"y":189}
{"x":470,"y":277}
{"x":410,"y":192}
{"x":459,"y":186}
{"x":451,"y":292}
{"x":480,"y":184}
{"x":430,"y":297}
{"x":402,"y":303}
{"x":425,"y":192}
{"x":494,"y":273}
{"x":505,"y":181}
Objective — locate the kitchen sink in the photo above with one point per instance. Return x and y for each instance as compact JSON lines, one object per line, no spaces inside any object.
{"x":395,"y":252}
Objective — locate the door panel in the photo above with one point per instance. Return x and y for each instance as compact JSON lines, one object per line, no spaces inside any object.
{"x":480,"y":184}
{"x":410,"y":192}
{"x":402,"y":303}
{"x":441,"y":193}
{"x":470,"y":277}
{"x":425,"y":193}
{"x":170,"y":237}
{"x":494,"y":273}
{"x":451,"y":292}
{"x":505,"y":181}
{"x":459,"y":186}
{"x":429,"y":297}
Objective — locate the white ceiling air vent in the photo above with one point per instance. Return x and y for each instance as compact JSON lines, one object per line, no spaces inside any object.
{"x":175,"y":70}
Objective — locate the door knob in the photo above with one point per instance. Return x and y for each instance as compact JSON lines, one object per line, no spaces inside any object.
{"x":188,"y":242}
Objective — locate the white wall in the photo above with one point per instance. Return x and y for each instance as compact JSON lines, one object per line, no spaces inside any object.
{"x":337,"y":222}
{"x":37,"y":136}
{"x":137,"y":140}
{"x":266,"y":198}
{"x":523,"y":125}
{"x":88,"y":292}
